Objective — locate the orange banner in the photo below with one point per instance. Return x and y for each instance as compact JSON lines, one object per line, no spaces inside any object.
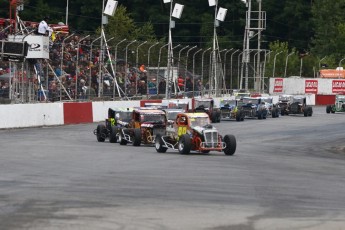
{"x":332,"y":73}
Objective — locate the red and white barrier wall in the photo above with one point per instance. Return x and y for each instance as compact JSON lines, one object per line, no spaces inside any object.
{"x":323,"y":89}
{"x":48,"y":114}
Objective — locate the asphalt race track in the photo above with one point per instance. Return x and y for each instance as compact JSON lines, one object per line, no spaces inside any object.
{"x":287,"y":173}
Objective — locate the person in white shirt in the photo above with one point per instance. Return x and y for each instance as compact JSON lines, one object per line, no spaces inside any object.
{"x":43,"y":28}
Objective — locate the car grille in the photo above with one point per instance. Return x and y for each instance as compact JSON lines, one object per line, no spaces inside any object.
{"x":211,"y":138}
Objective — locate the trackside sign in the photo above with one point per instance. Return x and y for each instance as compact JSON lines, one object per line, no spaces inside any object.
{"x":338,"y":86}
{"x":278,"y":85}
{"x":311,"y":86}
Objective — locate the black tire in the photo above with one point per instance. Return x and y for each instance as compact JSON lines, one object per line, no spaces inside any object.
{"x":230,"y":142}
{"x":136,"y":137}
{"x":121,"y":140}
{"x":277,"y":112}
{"x":328,"y":108}
{"x":184,"y":144}
{"x":101,"y":133}
{"x":214,"y":117}
{"x":218,"y":116}
{"x":238,"y":115}
{"x":282,"y":111}
{"x":159,"y":144}
{"x":310,"y":111}
{"x":260,"y":115}
{"x":305,"y":111}
{"x":242,"y":115}
{"x":113,"y":134}
{"x":273,"y":111}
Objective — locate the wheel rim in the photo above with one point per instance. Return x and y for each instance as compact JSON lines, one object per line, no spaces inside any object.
{"x":180,"y":146}
{"x":157,"y":145}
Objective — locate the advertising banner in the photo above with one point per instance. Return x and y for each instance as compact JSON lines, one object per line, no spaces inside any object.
{"x":338,"y":86}
{"x":278,"y":85}
{"x":311,"y":86}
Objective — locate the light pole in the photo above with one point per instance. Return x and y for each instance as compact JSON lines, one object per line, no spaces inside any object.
{"x":264,"y":69}
{"x":231,"y":67}
{"x":62,"y":56}
{"x":127,"y":66}
{"x":286,"y":62}
{"x":179,"y":57}
{"x":321,"y":61}
{"x":226,"y":52}
{"x":77,"y":68}
{"x":115,"y":60}
{"x":194,"y":69}
{"x":62,"y":50}
{"x":238,"y":70}
{"x":274,"y":63}
{"x":202,"y":65}
{"x":67,"y":12}
{"x":148,"y":66}
{"x":137,"y":64}
{"x":92,"y":62}
{"x":185,"y":77}
{"x":340,"y":66}
{"x":159,"y":62}
{"x":172,"y":80}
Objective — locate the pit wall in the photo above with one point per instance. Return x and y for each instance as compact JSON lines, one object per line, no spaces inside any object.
{"x":66,"y":113}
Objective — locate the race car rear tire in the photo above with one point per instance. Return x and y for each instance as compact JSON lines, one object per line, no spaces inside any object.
{"x":242,"y":115}
{"x":136,"y":137}
{"x":214,"y":117}
{"x":230,"y":142}
{"x":184,"y":144}
{"x":328,"y":109}
{"x":218,"y":116}
{"x":238,"y":115}
{"x":101,"y":133}
{"x":113,"y":134}
{"x":305,"y":111}
{"x":159,"y":144}
{"x":260,"y":115}
{"x":310,"y":111}
{"x":277,"y":112}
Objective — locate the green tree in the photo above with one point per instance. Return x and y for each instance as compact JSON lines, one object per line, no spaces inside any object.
{"x":328,"y":20}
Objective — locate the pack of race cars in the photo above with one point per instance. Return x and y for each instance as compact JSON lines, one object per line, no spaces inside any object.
{"x":175,"y":127}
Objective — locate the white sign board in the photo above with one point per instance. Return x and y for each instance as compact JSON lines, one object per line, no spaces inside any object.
{"x":212,"y":2}
{"x":166,"y":1}
{"x":177,"y":12}
{"x":38,"y":45}
{"x":221,"y":14}
{"x":110,"y":7}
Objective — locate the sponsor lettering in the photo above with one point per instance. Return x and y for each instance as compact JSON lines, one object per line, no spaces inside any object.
{"x":338,"y":86}
{"x":278,"y":85}
{"x":311,"y":86}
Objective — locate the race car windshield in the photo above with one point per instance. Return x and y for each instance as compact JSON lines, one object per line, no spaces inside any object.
{"x":205,"y":104}
{"x":172,"y":115}
{"x":125,"y":116}
{"x":199,"y":121}
{"x":229,"y":102}
{"x":157,"y":118}
{"x":250,"y":101}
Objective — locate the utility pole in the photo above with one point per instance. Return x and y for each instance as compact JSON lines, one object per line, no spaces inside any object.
{"x":251,"y":30}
